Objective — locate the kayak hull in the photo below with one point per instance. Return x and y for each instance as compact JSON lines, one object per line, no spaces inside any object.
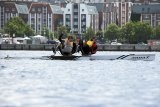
{"x":145,"y":57}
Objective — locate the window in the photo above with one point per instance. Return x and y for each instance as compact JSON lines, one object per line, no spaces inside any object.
{"x":123,"y":7}
{"x":67,"y":23}
{"x":82,"y":10}
{"x":7,"y":9}
{"x":123,"y":14}
{"x":44,"y":9}
{"x":39,"y":19}
{"x":68,"y":9}
{"x":14,"y":15}
{"x":39,"y":9}
{"x":32,"y":15}
{"x":49,"y":15}
{"x":75,"y":16}
{"x":49,"y":19}
{"x":123,"y":20}
{"x":32,"y":21}
{"x":33,"y":9}
{"x":39,"y":27}
{"x":146,"y":16}
{"x":75,"y":23}
{"x":13,"y":9}
{"x":75,"y":10}
{"x":148,"y":10}
{"x":158,"y":16}
{"x":39,"y":15}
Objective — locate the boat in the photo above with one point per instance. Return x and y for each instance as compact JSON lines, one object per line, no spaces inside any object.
{"x":134,"y":57}
{"x":72,"y":57}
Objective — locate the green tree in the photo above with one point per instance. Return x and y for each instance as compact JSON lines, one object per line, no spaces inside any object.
{"x":45,"y":31}
{"x":17,"y":26}
{"x":156,"y":34}
{"x":28,"y":30}
{"x":1,"y":32}
{"x":61,"y":29}
{"x":128,"y":32}
{"x":112,"y":32}
{"x":142,"y":31}
{"x":135,"y":32}
{"x":99,"y":34}
{"x":89,"y":33}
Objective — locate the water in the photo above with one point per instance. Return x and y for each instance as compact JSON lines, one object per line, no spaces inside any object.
{"x":28,"y":81}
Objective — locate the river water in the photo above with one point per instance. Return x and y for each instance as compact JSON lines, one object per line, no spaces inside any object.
{"x":26,"y":80}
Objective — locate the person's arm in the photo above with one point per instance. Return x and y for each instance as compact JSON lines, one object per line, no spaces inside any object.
{"x":60,"y":38}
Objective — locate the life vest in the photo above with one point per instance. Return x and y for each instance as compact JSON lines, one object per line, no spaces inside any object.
{"x":90,"y":43}
{"x":94,"y":48}
{"x":71,"y":44}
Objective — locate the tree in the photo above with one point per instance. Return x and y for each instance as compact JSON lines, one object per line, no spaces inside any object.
{"x":89,"y":33}
{"x":1,"y":32}
{"x":112,"y":32}
{"x":61,"y":29}
{"x":156,"y":34}
{"x":142,"y":31}
{"x":28,"y":30}
{"x":99,"y":34}
{"x":135,"y":32}
{"x":100,"y":37}
{"x":45,"y":32}
{"x":128,"y":33}
{"x":17,"y":26}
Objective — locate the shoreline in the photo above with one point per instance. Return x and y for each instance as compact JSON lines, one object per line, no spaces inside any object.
{"x":101,"y":47}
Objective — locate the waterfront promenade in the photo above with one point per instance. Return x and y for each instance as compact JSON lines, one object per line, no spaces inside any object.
{"x":101,"y":47}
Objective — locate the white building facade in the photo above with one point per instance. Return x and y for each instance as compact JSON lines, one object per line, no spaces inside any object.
{"x":79,"y":17}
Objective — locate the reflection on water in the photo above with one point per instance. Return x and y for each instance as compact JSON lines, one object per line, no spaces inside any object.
{"x":27,"y":82}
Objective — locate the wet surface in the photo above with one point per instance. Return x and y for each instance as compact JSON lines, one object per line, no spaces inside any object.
{"x":28,"y":82}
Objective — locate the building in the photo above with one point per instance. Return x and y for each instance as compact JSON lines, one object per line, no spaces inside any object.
{"x":146,"y":1}
{"x":2,"y":19}
{"x":124,"y":11}
{"x":44,"y":15}
{"x":149,"y":13}
{"x":79,"y":16}
{"x":118,"y":11}
{"x":101,"y":7}
{"x":11,"y":9}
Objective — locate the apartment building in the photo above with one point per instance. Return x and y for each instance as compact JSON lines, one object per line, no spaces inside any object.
{"x":11,"y":9}
{"x":2,"y":19}
{"x":118,"y":11}
{"x":44,"y":15}
{"x":79,"y":16}
{"x":149,"y":13}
